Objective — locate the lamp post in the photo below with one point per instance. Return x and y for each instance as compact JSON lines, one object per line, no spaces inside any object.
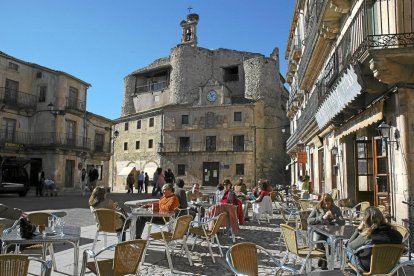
{"x":114,"y":136}
{"x":54,"y":112}
{"x":384,"y":130}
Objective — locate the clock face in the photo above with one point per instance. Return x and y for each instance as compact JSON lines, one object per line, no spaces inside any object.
{"x":212,"y":96}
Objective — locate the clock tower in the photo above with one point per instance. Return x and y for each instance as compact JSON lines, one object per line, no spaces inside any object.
{"x":189,"y":26}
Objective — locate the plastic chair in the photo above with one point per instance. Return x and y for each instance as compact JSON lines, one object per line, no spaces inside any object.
{"x":171,"y":238}
{"x":202,"y":231}
{"x":384,"y":258}
{"x":125,"y":261}
{"x":334,"y":194}
{"x":263,"y":208}
{"x":303,"y":252}
{"x":242,"y":258}
{"x":109,"y":221}
{"x":18,"y":265}
{"x":303,"y":226}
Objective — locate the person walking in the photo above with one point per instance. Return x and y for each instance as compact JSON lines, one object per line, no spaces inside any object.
{"x":130,"y":183}
{"x":141,"y":178}
{"x":83,"y":181}
{"x":93,"y":176}
{"x":159,"y":181}
{"x":146,"y":182}
{"x":40,"y":183}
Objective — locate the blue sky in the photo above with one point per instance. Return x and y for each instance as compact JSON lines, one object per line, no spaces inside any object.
{"x":102,"y":41}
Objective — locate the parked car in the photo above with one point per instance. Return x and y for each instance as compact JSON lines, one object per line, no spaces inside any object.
{"x":13,"y":176}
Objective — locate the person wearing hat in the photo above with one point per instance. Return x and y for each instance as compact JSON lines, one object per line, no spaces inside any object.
{"x":169,"y":202}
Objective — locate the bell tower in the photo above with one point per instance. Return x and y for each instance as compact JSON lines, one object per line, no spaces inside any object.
{"x":189,"y":26}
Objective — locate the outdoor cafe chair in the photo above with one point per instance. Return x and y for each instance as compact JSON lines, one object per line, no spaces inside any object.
{"x":125,"y":259}
{"x":41,"y":218}
{"x":243,"y":258}
{"x":202,"y":231}
{"x":171,"y":238}
{"x":107,"y":221}
{"x":263,"y":208}
{"x":384,"y":258}
{"x":357,"y":216}
{"x":303,"y":252}
{"x":18,"y":265}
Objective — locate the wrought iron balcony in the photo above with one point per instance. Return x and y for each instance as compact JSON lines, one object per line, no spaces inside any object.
{"x":17,"y":99}
{"x":157,"y":86}
{"x":225,"y":146}
{"x":75,"y":104}
{"x":52,"y":140}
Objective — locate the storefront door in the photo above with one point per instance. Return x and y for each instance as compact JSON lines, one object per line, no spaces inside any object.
{"x":381,"y":173}
{"x":211,"y":173}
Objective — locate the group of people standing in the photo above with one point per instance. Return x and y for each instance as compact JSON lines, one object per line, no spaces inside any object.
{"x":142,"y":180}
{"x":87,"y":180}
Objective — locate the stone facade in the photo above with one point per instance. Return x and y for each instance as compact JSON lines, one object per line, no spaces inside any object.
{"x":44,"y":119}
{"x":348,"y":77}
{"x":217,"y":114}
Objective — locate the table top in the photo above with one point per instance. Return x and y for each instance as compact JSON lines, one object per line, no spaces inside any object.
{"x":56,"y":213}
{"x":204,"y":204}
{"x":326,"y":273}
{"x":140,"y":202}
{"x":335,"y":231}
{"x":71,"y":233}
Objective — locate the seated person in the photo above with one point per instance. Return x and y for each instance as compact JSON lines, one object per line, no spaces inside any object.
{"x":194,"y":194}
{"x":99,"y":200}
{"x":325,"y":213}
{"x":219,"y":192}
{"x":230,"y":197}
{"x":182,"y":198}
{"x":169,"y":202}
{"x":240,"y":188}
{"x":263,"y":191}
{"x":49,"y":187}
{"x":373,"y":229}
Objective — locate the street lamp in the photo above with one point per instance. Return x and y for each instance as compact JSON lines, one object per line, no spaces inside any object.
{"x":114,"y":136}
{"x":384,"y":130}
{"x":54,"y":112}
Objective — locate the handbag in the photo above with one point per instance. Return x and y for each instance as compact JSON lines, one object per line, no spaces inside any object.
{"x":27,"y":228}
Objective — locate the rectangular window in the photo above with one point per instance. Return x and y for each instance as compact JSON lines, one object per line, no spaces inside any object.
{"x":184,"y":119}
{"x":125,"y":145}
{"x":237,"y":116}
{"x":139,"y":124}
{"x":8,"y":129}
{"x":239,"y":169}
{"x":238,"y":143}
{"x":150,"y":143}
{"x":99,"y":142}
{"x":126,"y":126}
{"x":13,"y":66}
{"x":71,"y":132}
{"x":151,"y":122}
{"x":137,"y":144}
{"x":184,"y":143}
{"x":42,"y":93}
{"x":231,"y":73}
{"x":181,"y":170}
{"x":211,"y":143}
{"x":73,"y":98}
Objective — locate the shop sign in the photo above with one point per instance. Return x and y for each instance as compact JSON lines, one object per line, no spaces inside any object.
{"x":302,"y":157}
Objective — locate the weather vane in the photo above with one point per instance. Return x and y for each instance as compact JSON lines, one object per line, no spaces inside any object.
{"x":189,"y":9}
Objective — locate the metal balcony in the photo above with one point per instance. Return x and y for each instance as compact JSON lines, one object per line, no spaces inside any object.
{"x":201,"y":147}
{"x":16,"y":99}
{"x":75,"y":104}
{"x":152,"y":87}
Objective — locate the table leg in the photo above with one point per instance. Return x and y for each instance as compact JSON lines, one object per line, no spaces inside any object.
{"x":75,"y":258}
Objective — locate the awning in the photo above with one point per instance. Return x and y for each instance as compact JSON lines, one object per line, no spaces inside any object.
{"x":369,"y":116}
{"x":344,"y":92}
{"x":126,"y":171}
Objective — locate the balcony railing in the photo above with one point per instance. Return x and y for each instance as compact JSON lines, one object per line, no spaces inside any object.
{"x":18,"y":99}
{"x":157,"y":86}
{"x":53,"y":140}
{"x":311,"y":35}
{"x":75,"y":104}
{"x":225,"y":146}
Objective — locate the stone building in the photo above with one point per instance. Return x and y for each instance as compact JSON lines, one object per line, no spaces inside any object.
{"x":43,"y":119}
{"x":351,"y":75}
{"x":206,"y":114}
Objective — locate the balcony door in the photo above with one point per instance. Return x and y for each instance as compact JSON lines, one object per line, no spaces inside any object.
{"x":12,"y":88}
{"x":8,"y":130}
{"x":70,"y":133}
